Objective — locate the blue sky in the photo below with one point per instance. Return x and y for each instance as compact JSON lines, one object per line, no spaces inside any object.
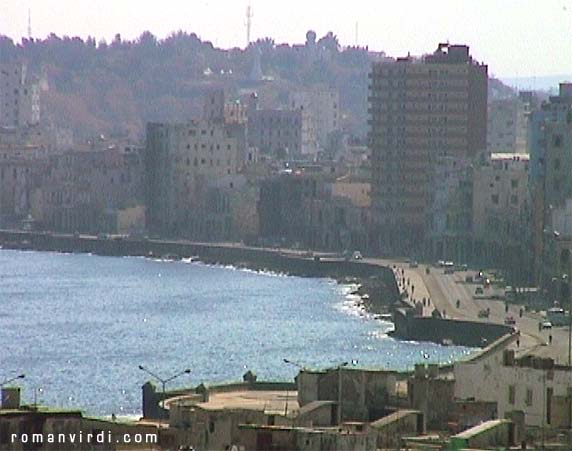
{"x":515,"y":37}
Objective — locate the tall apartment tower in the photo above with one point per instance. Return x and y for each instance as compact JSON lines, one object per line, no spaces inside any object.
{"x":423,"y":111}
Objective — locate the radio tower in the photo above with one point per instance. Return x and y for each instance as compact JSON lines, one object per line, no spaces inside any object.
{"x":29,"y":24}
{"x":249,"y":16}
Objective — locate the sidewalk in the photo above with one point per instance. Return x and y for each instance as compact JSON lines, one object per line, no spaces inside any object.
{"x":409,"y":281}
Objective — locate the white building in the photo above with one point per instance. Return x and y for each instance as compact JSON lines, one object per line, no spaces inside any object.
{"x":322,"y":106}
{"x":532,"y":385}
{"x":19,"y":96}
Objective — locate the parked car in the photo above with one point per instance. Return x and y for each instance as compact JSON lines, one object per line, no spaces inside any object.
{"x":413,"y":264}
{"x":449,"y":270}
{"x":546,"y":325}
{"x":469,"y":279}
{"x":479,"y":290}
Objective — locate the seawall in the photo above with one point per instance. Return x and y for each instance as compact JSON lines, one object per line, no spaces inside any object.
{"x":440,"y":330}
{"x":290,"y":263}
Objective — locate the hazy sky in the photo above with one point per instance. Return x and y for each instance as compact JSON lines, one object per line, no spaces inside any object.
{"x":515,"y":37}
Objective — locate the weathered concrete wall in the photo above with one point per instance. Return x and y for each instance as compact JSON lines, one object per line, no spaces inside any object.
{"x":464,"y":333}
{"x":494,"y":433}
{"x":365,"y":393}
{"x":434,"y":397}
{"x":389,"y":430}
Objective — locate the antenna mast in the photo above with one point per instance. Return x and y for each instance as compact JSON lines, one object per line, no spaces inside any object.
{"x":29,"y":24}
{"x":249,"y":16}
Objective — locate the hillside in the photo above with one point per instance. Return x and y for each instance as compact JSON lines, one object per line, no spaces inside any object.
{"x":115,"y":88}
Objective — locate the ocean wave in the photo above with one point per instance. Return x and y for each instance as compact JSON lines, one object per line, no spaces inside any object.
{"x":260,"y":272}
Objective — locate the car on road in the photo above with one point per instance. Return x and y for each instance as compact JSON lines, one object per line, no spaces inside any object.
{"x":479,"y":290}
{"x":449,"y":270}
{"x":413,"y":264}
{"x":510,"y":321}
{"x":357,"y":255}
{"x":546,"y":325}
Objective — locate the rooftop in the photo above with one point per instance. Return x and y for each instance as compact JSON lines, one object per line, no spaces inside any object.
{"x":268,"y":401}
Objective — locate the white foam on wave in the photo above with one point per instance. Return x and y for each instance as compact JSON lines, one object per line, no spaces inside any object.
{"x":260,"y":272}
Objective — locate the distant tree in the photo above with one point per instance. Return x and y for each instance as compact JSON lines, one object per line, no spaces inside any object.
{"x":330,"y":42}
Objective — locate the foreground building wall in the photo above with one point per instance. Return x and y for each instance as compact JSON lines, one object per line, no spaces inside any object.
{"x":534,"y":386}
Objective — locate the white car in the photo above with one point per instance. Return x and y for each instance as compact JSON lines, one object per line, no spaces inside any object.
{"x":357,"y":255}
{"x":546,"y":325}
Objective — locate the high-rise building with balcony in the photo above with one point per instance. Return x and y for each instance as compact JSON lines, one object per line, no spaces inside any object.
{"x":422,"y":110}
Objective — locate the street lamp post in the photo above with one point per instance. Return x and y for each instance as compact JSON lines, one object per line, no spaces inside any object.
{"x":340,"y":366}
{"x":297,"y":365}
{"x":7,"y":381}
{"x":163,"y":381}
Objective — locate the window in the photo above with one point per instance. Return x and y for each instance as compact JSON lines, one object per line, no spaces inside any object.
{"x":495,"y":199}
{"x":511,"y":394}
{"x":557,"y":164}
{"x":514,"y":199}
{"x":514,"y":184}
{"x":528,"y":396}
{"x":557,"y":141}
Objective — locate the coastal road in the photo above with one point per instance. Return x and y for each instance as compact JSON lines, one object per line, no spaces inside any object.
{"x":444,"y":290}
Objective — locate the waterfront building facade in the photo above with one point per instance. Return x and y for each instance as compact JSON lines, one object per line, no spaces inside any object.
{"x":182,"y":161}
{"x":507,"y":125}
{"x":91,"y":192}
{"x":19,"y":96}
{"x":278,"y":133}
{"x":501,"y":209}
{"x":323,"y":108}
{"x":420,"y":109}
{"x":550,"y":148}
{"x":450,"y":212}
